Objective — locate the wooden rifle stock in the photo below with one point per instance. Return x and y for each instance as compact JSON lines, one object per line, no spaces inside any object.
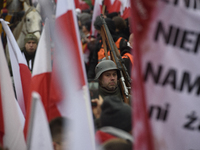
{"x":125,"y":80}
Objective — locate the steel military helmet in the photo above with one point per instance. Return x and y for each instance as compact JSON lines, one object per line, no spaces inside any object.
{"x":105,"y":65}
{"x":30,"y":37}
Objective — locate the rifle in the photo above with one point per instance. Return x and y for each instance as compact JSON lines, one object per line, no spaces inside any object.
{"x":125,"y":80}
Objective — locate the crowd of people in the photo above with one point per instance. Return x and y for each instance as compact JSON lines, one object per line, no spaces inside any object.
{"x":112,"y":116}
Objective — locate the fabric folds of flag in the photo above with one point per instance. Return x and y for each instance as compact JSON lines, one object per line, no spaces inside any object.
{"x":142,"y":132}
{"x":72,"y":78}
{"x":13,"y":137}
{"x":125,"y":9}
{"x":20,"y":70}
{"x":39,"y":136}
{"x":41,"y":74}
{"x":96,"y":12}
{"x":112,"y":6}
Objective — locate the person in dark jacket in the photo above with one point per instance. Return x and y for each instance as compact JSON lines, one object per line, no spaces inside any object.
{"x":99,"y":52}
{"x":115,"y":120}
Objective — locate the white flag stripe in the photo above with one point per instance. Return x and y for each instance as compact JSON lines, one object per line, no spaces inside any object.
{"x":39,"y":137}
{"x":21,"y":115}
{"x":15,"y":58}
{"x":97,"y":12}
{"x":76,"y":107}
{"x":76,"y":103}
{"x":16,"y":77}
{"x":42,"y":63}
{"x":62,"y":7}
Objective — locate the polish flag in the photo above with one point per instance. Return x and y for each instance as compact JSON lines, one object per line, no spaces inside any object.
{"x":72,"y":78}
{"x":77,"y":3}
{"x":11,"y":129}
{"x":93,"y":1}
{"x":41,"y":74}
{"x":125,"y":9}
{"x":39,"y":136}
{"x":20,"y":70}
{"x":141,"y":126}
{"x":96,"y":12}
{"x":112,"y":5}
{"x":81,"y":4}
{"x":55,"y":96}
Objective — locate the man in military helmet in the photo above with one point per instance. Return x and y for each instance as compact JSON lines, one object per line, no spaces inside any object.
{"x":29,"y":49}
{"x":108,"y":74}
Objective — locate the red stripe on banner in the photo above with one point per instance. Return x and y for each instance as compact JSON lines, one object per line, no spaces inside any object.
{"x":26,"y":82}
{"x":68,"y":30}
{"x":142,"y":130}
{"x":1,"y":120}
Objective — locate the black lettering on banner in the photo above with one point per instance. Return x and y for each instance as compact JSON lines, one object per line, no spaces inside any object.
{"x":194,"y":4}
{"x":186,"y":82}
{"x":193,"y":122}
{"x":186,"y":40}
{"x":170,"y":78}
{"x":150,"y":71}
{"x":159,"y":112}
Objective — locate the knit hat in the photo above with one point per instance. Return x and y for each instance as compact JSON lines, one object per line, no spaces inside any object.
{"x":116,"y":113}
{"x":84,"y":17}
{"x":30,"y":37}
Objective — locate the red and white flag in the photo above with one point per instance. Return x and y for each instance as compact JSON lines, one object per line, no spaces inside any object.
{"x":166,"y":75}
{"x":96,"y":12}
{"x":72,"y":78}
{"x":39,"y":136}
{"x":20,"y":70}
{"x":41,"y":74}
{"x":112,"y":5}
{"x":81,"y":4}
{"x":125,"y":9}
{"x":10,"y":123}
{"x":122,"y":6}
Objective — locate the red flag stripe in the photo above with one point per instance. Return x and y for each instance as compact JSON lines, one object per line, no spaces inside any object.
{"x":41,"y":84}
{"x":68,"y":28}
{"x":141,"y":125}
{"x":26,"y":81}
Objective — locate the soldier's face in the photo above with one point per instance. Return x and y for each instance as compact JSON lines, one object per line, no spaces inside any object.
{"x":108,"y":80}
{"x":31,"y":46}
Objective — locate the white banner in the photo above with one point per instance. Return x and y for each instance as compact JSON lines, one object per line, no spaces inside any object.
{"x":170,"y":55}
